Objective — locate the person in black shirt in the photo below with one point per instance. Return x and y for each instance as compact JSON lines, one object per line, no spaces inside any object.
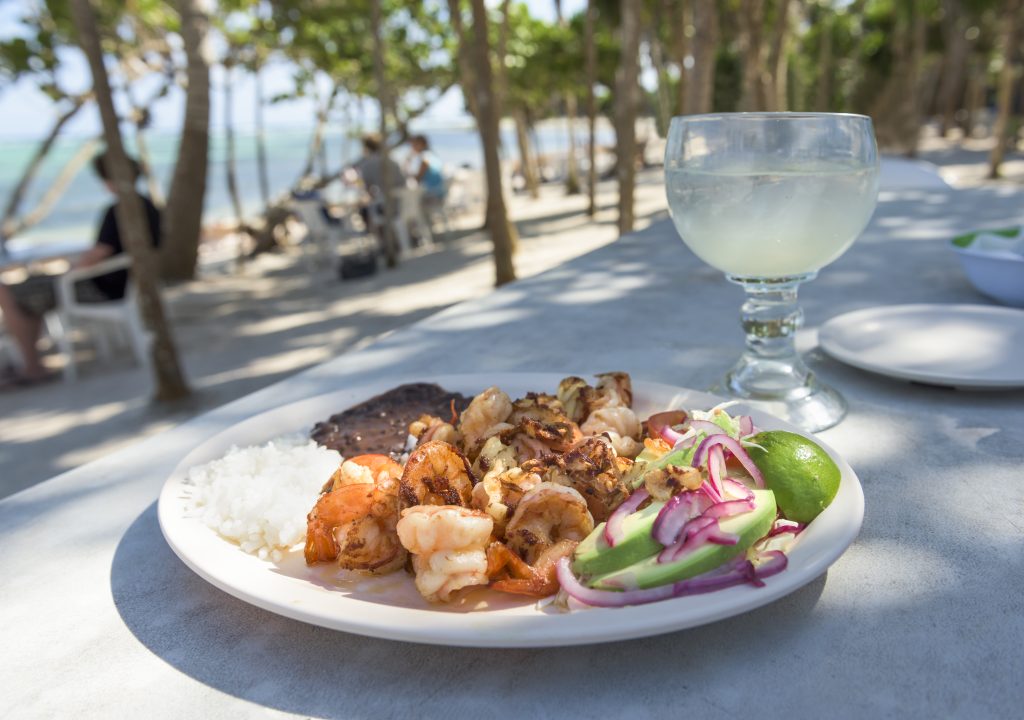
{"x":24,"y":305}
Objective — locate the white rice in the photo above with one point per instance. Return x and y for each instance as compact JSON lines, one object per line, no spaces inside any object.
{"x":259,"y":496}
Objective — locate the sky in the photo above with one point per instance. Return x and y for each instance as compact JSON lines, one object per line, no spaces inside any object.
{"x":25,"y":113}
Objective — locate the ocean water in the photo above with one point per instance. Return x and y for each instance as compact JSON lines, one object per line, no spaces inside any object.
{"x":80,"y":208}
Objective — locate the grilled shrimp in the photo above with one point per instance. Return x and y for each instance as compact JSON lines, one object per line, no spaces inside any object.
{"x":436,"y":474}
{"x":355,"y":525}
{"x":448,"y":546}
{"x":363,"y":469}
{"x":429,"y":427}
{"x":547,"y":514}
{"x":510,"y":573}
{"x":614,"y":389}
{"x":500,"y":491}
{"x":540,"y":407}
{"x":579,"y":399}
{"x":493,"y":454}
{"x":592,"y":469}
{"x":570,"y":395}
{"x":620,"y":425}
{"x":532,"y":439}
{"x":487,"y":410}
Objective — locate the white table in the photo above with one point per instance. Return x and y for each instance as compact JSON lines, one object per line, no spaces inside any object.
{"x":30,"y":254}
{"x":922,"y":617}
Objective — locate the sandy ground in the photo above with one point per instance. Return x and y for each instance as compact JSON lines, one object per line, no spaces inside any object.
{"x":240,"y":330}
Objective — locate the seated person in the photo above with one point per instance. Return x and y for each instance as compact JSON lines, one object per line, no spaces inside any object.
{"x":24,"y":305}
{"x":425,"y":167}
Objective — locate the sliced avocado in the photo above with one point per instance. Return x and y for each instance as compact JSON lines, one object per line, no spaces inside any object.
{"x":750,"y":527}
{"x":594,"y":556}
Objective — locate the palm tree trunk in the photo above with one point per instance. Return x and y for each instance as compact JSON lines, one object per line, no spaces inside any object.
{"x":131,"y":216}
{"x":384,"y":95}
{"x":502,"y":231}
{"x":751,"y":19}
{"x":679,"y":15}
{"x":1004,"y":98}
{"x":230,"y":177}
{"x":954,"y":26}
{"x":183,"y":215}
{"x":261,"y":141}
{"x":9,"y":226}
{"x":572,"y":171}
{"x":626,"y":102}
{"x":823,"y":89}
{"x":86,"y":151}
{"x":975,"y":94}
{"x":700,"y":91}
{"x":467,"y":81}
{"x":527,"y":159}
{"x":316,"y":143}
{"x":591,"y":60}
{"x":657,"y":55}
{"x":775,"y":92}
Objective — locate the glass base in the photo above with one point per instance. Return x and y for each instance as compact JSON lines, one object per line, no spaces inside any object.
{"x":788,"y":391}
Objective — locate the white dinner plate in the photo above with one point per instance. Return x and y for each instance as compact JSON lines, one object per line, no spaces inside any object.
{"x":966,"y":346}
{"x":390,"y":607}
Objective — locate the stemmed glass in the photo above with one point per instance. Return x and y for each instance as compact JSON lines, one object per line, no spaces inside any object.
{"x":770,"y":199}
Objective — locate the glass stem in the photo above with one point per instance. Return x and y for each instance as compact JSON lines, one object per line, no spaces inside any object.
{"x":770,"y":318}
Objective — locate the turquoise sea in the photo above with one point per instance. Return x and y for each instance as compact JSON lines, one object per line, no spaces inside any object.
{"x":80,"y":208}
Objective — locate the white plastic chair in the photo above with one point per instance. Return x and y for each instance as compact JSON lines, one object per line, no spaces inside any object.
{"x":323,"y":241}
{"x":120,"y":316}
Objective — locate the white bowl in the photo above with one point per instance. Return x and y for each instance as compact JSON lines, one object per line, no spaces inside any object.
{"x":1000,"y":276}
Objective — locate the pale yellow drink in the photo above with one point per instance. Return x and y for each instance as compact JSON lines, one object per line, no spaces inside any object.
{"x":772,"y":223}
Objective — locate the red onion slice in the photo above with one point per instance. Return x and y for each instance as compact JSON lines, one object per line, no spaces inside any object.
{"x":678,"y":511}
{"x":660,"y":425}
{"x":695,"y":535}
{"x":735,"y":448}
{"x":737,"y":572}
{"x":746,"y":426}
{"x":716,"y":472}
{"x":737,"y":489}
{"x":785,"y":526}
{"x":613,"y":527}
{"x":705,"y":426}
{"x":729,"y":508}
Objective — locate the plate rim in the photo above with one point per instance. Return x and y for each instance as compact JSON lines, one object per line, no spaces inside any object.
{"x":541,"y":629}
{"x":829,"y":344}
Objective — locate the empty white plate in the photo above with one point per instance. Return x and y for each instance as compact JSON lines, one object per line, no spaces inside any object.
{"x":967,"y":346}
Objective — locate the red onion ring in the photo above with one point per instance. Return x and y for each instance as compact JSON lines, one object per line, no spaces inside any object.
{"x":729,"y":508}
{"x":705,"y":426}
{"x":696,"y":534}
{"x":678,"y":511}
{"x":737,"y":489}
{"x":716,"y":472}
{"x":737,"y":572}
{"x":613,"y":527}
{"x":733,"y":446}
{"x":660,"y":425}
{"x":746,"y":426}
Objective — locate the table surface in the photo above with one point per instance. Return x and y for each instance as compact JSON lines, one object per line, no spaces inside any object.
{"x":923,"y":616}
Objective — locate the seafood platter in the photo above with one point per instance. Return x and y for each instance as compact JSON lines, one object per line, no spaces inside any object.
{"x":511,"y":509}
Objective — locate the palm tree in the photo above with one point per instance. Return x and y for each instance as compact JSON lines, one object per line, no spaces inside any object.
{"x":502,"y":231}
{"x":184,"y":211}
{"x":131,"y":218}
{"x":627,"y":96}
{"x":572,"y":174}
